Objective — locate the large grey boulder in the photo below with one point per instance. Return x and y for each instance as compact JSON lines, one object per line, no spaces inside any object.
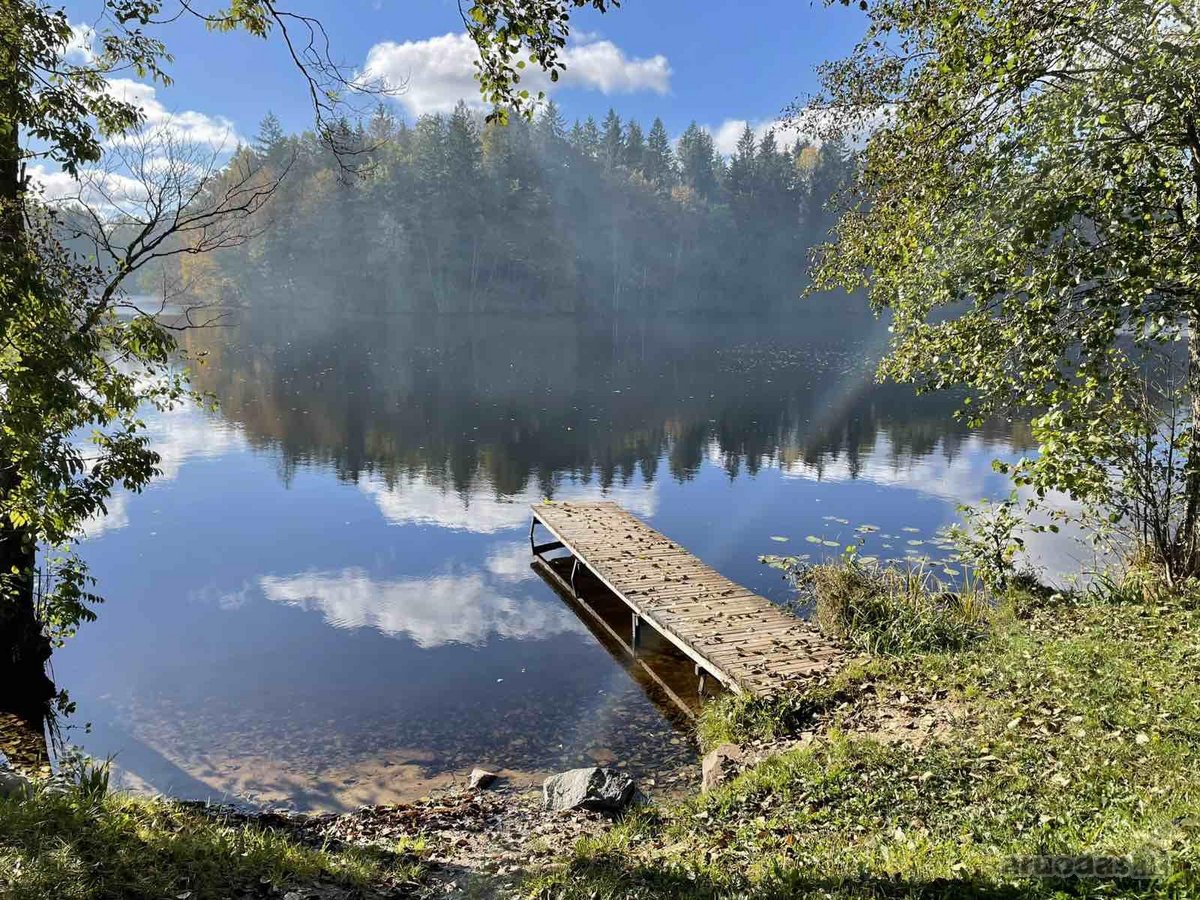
{"x":603,"y":790}
{"x":14,"y":784}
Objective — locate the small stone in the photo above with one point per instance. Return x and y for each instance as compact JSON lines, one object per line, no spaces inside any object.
{"x":603,"y":756}
{"x":481,"y":778}
{"x":720,"y":765}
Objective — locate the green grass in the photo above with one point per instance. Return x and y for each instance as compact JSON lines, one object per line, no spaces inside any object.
{"x":86,"y":846}
{"x":1078,"y":736}
{"x":741,"y":718}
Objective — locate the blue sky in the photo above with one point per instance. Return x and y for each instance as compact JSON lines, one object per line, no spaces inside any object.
{"x":713,"y":62}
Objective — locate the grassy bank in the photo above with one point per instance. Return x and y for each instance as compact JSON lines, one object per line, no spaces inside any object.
{"x":981,"y":738}
{"x":1070,"y":729}
{"x":76,"y":845}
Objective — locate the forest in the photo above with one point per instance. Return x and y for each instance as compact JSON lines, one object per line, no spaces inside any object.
{"x":452,"y":214}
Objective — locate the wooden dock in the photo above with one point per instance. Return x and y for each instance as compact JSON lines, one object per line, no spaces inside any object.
{"x":744,"y":641}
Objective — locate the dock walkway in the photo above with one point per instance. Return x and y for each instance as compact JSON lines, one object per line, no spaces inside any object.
{"x":743,"y":640}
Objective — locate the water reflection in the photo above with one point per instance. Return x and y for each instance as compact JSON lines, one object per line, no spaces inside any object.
{"x":668,"y":677}
{"x":444,"y":609}
{"x":327,"y":598}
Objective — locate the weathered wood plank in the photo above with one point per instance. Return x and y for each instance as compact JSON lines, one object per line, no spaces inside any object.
{"x":742,"y":639}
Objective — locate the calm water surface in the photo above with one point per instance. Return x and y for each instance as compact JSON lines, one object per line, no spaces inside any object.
{"x":326,"y":599}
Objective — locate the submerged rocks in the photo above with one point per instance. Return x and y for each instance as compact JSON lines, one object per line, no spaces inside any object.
{"x":720,"y":765}
{"x":594,"y":788}
{"x":481,"y":778}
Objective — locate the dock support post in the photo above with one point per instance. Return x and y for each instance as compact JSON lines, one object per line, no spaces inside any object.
{"x":637,"y":633}
{"x":703,"y":675}
{"x":574,"y":569}
{"x":532,"y":526}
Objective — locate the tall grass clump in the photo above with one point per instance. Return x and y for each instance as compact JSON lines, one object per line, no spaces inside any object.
{"x":895,"y":608}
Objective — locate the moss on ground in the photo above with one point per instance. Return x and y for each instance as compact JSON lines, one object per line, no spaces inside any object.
{"x":1078,"y":739}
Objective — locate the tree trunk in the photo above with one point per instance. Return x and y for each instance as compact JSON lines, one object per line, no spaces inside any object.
{"x":25,"y":688}
{"x":1185,"y":556}
{"x":24,"y":650}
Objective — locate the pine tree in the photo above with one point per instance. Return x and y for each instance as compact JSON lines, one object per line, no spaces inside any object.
{"x":383,"y":125}
{"x":634,"y":156}
{"x":550,"y":128}
{"x":771,"y":166}
{"x":270,"y":136}
{"x":590,"y":138}
{"x":741,"y":177}
{"x":612,"y":143}
{"x":463,"y":150}
{"x":697,"y":163}
{"x":659,"y":165}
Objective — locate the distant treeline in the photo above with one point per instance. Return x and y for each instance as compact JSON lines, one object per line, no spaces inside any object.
{"x":454,"y":215}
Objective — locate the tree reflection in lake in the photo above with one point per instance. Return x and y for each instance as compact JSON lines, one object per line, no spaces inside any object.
{"x":326,"y":600}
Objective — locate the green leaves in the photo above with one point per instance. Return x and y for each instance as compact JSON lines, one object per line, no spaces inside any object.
{"x":510,"y":33}
{"x":1028,"y":212}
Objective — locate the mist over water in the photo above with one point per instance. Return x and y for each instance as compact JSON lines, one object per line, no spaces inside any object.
{"x":326,"y":600}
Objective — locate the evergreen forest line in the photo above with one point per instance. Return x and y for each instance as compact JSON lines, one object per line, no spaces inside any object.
{"x":452,"y":215}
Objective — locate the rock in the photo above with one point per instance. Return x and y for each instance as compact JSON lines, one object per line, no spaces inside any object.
{"x":720,"y":765}
{"x":14,"y":784}
{"x":603,"y":790}
{"x":481,"y":778}
{"x":603,"y":756}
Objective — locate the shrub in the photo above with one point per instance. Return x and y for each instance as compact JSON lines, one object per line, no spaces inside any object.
{"x":894,"y":609}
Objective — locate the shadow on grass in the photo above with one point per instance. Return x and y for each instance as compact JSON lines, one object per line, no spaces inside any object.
{"x":608,"y":877}
{"x":66,"y":845}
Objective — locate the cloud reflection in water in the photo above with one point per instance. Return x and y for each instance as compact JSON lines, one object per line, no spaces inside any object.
{"x":442,"y":609}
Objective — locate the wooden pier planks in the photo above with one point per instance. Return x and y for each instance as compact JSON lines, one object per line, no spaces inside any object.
{"x":744,"y":640}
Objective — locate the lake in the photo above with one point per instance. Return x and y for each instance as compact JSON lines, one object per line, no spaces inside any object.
{"x":326,"y":598}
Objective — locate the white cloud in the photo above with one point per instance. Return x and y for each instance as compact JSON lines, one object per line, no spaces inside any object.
{"x":80,"y":48}
{"x":186,"y":433}
{"x":436,"y":73}
{"x":95,"y":188}
{"x":178,"y":436}
{"x":188,"y":127}
{"x":510,"y":561}
{"x":417,"y":501}
{"x":787,"y":133}
{"x":807,"y":125}
{"x":108,"y":186}
{"x":445,"y":609}
{"x":603,"y":66}
{"x":115,"y":519}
